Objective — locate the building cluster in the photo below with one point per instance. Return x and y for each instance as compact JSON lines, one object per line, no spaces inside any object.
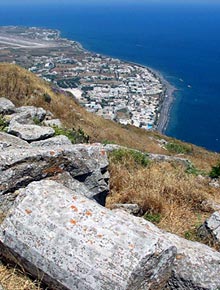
{"x":117,"y":90}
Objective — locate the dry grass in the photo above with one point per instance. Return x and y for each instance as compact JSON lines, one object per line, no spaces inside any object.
{"x":15,"y":279}
{"x":164,"y":189}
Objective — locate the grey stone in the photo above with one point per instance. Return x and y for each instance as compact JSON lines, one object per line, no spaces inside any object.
{"x":78,"y":187}
{"x":53,"y":122}
{"x":6,"y":106}
{"x":133,"y":209}
{"x":33,"y":112}
{"x":30,"y":133}
{"x":71,"y":242}
{"x":210,"y":230}
{"x":60,"y":141}
{"x":8,"y":142}
{"x":86,"y":163}
{"x":196,"y":266}
{"x":215,"y":183}
{"x":210,"y":205}
{"x":27,"y":115}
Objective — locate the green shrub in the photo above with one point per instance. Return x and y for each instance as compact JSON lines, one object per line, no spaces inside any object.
{"x":121,"y":155}
{"x":175,"y":147}
{"x":75,"y":136}
{"x":3,"y":123}
{"x":36,"y":121}
{"x":191,"y":169}
{"x":153,"y":217}
{"x":47,"y":98}
{"x":215,"y":172}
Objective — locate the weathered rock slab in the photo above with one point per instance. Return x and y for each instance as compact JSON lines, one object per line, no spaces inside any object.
{"x":54,"y":141}
{"x":86,"y":163}
{"x":196,"y":266}
{"x":71,"y":242}
{"x":6,"y":106}
{"x":30,"y":133}
{"x":8,"y":142}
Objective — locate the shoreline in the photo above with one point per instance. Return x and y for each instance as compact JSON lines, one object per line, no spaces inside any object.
{"x":167,"y":103}
{"x":168,"y":98}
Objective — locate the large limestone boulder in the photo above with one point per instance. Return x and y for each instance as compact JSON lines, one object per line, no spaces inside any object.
{"x":210,"y":230}
{"x":8,"y":142}
{"x":196,"y":266}
{"x":30,"y":133}
{"x":71,"y":242}
{"x":6,"y":106}
{"x":86,"y":163}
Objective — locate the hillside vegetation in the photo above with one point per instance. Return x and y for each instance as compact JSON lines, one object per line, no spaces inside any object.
{"x":174,"y":196}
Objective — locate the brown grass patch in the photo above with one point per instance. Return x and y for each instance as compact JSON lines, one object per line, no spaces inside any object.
{"x":15,"y":279}
{"x":165,"y":189}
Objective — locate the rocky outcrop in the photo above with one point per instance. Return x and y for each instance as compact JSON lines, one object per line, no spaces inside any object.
{"x":22,"y":163}
{"x":71,"y":242}
{"x":210,"y":230}
{"x":86,"y":163}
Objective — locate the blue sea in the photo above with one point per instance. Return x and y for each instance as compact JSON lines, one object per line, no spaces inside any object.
{"x":182,"y":41}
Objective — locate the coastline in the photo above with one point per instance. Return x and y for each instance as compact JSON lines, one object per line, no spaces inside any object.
{"x":167,"y":102}
{"x":168,"y":93}
{"x":168,"y":98}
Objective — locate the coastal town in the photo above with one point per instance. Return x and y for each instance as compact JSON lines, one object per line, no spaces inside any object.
{"x":124,"y":92}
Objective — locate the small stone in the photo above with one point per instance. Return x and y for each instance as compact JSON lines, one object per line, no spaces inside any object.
{"x":210,"y":230}
{"x":53,"y":123}
{"x":6,"y":106}
{"x":133,"y":209}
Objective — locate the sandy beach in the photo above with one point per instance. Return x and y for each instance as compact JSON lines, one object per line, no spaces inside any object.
{"x":167,"y":102}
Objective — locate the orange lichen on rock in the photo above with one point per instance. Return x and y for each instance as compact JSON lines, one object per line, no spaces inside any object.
{"x":88,"y":213}
{"x":73,"y":222}
{"x":73,"y":207}
{"x":28,"y":211}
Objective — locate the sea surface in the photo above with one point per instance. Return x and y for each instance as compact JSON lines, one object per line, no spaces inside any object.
{"x":182,"y":41}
